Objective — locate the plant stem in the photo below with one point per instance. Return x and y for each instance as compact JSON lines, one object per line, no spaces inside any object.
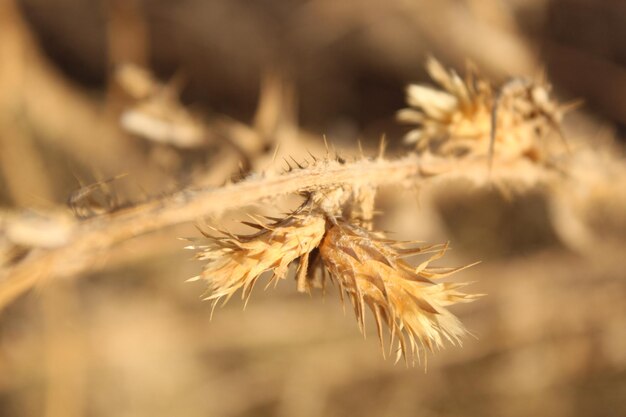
{"x":90,"y":239}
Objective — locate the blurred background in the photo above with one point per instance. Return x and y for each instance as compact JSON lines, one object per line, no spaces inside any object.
{"x":197,"y":92}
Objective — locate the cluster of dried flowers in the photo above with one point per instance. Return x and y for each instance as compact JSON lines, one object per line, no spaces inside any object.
{"x":366,"y":267}
{"x":470,"y":116}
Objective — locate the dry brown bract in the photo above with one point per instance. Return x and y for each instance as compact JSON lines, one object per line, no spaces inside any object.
{"x":461,"y":117}
{"x":367,"y":267}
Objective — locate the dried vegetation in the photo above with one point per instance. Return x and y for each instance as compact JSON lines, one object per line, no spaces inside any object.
{"x":493,"y":164}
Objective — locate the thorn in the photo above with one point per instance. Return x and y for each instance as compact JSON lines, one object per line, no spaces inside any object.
{"x":312,"y":156}
{"x":275,"y":152}
{"x":571,"y":105}
{"x":492,"y":135}
{"x":326,"y":145}
{"x":256,"y":220}
{"x":296,"y":162}
{"x":274,"y":219}
{"x":288,"y":164}
{"x":213,"y":305}
{"x":382,"y":146}
{"x":253,"y":225}
{"x":301,"y":273}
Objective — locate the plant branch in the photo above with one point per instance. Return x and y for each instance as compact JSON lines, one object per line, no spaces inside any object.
{"x":85,"y":242}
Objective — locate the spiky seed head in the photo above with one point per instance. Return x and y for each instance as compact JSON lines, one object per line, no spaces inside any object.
{"x":371,"y":271}
{"x":367,"y":267}
{"x":236,"y":261}
{"x":456,"y":117}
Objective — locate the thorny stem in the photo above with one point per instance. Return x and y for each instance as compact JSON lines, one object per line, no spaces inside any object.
{"x":89,"y":239}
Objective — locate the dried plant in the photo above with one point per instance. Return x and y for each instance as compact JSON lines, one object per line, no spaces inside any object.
{"x":236,"y":262}
{"x":371,"y":271}
{"x":84,"y":241}
{"x":367,"y":267}
{"x":103,"y":268}
{"x":330,"y":236}
{"x":470,"y":116}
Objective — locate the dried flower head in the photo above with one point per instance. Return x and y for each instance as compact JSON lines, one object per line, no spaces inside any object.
{"x":372,"y":272}
{"x":367,"y":267}
{"x":470,"y":116}
{"x":236,"y":261}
